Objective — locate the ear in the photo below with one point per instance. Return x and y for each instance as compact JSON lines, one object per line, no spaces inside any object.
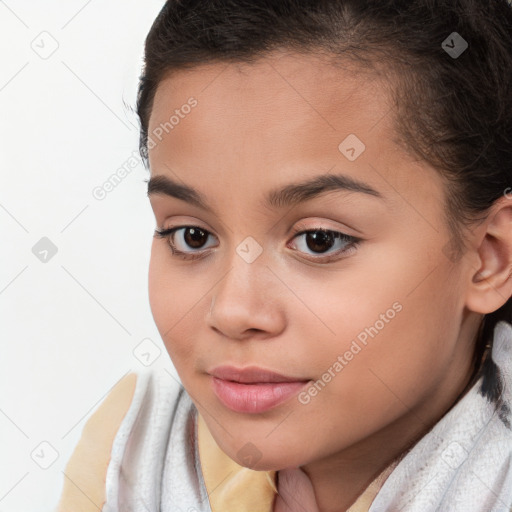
{"x":491,"y":284}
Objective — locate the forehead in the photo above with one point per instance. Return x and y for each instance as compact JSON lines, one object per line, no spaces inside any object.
{"x":281,"y":118}
{"x":275,"y":92}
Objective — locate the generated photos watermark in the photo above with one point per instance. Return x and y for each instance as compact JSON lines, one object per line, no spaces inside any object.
{"x":357,"y":344}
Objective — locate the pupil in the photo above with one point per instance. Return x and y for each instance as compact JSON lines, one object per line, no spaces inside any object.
{"x":195,"y":237}
{"x":318,"y":239}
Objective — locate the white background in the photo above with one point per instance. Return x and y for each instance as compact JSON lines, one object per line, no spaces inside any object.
{"x":70,"y":324}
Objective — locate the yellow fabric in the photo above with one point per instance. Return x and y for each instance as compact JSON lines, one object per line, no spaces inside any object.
{"x":86,"y":470}
{"x":231,"y":487}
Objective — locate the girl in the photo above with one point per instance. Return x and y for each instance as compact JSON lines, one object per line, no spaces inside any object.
{"x":331,"y":272}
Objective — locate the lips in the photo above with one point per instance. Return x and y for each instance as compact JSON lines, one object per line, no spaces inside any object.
{"x":253,"y":389}
{"x":251,"y":374}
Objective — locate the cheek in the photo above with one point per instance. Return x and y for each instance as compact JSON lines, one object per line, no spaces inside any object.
{"x":159,"y":289}
{"x":390,"y":322}
{"x":175,"y":305}
{"x":166,"y":293}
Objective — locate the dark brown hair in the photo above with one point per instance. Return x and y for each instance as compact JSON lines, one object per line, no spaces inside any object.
{"x":452,"y":110}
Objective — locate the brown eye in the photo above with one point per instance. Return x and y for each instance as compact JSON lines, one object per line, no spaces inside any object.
{"x":319,"y":241}
{"x":189,"y":244}
{"x":195,"y":237}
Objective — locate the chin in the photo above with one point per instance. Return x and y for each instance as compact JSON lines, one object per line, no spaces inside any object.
{"x":273,"y":464}
{"x":263,"y":457}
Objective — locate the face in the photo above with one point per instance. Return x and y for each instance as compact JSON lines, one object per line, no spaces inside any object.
{"x":350,"y":290}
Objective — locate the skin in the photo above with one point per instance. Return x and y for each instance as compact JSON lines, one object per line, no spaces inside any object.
{"x":267,"y":124}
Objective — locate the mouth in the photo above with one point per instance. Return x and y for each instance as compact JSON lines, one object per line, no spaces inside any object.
{"x":253,"y":389}
{"x":251,"y":375}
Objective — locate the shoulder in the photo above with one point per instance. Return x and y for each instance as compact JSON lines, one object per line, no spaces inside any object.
{"x":128,"y":409}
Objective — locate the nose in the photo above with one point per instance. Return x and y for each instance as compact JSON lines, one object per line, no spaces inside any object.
{"x":247,"y":301}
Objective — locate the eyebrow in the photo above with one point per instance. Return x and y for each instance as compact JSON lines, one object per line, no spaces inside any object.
{"x":289,"y":195}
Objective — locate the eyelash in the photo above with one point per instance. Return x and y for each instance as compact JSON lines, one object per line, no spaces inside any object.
{"x":353,"y":242}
